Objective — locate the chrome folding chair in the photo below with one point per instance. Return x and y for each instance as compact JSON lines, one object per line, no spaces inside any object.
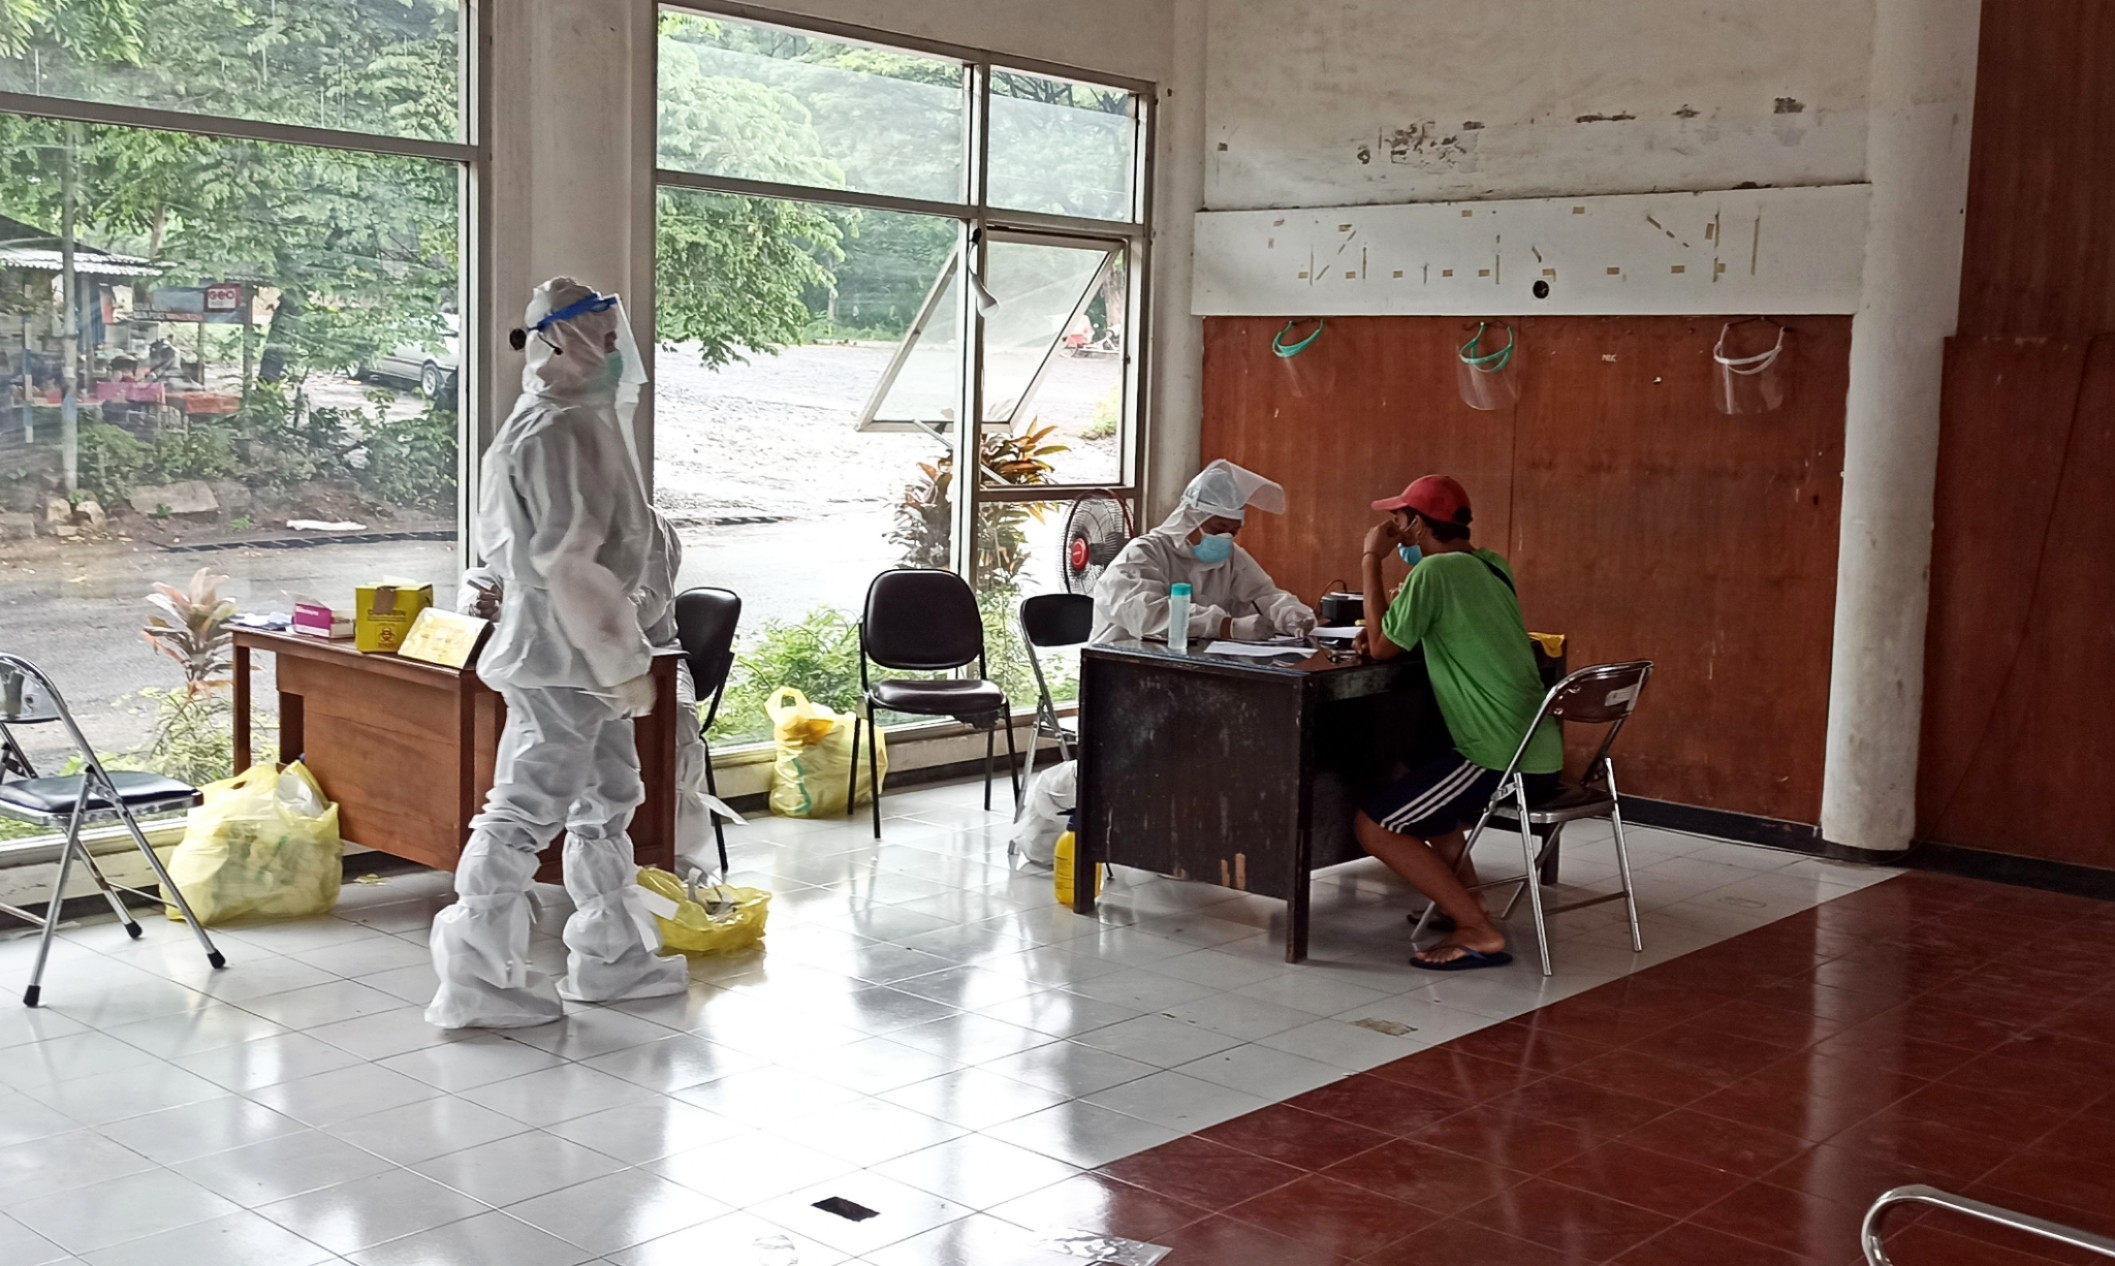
{"x":96,"y":794}
{"x":1605,"y":694}
{"x":1050,"y":621}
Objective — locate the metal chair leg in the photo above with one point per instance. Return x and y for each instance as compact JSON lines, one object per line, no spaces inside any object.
{"x":170,"y":891}
{"x":1035,"y":741}
{"x":1534,"y":890}
{"x":873,"y":769}
{"x":712,"y":784}
{"x":991,"y":743}
{"x":34,"y":994}
{"x":852,"y":773}
{"x":1013,"y":761}
{"x":1630,"y":896}
{"x":117,"y":906}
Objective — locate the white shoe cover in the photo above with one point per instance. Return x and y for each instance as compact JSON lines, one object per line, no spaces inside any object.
{"x":612,"y":946}
{"x":481,"y":947}
{"x":1044,"y":813}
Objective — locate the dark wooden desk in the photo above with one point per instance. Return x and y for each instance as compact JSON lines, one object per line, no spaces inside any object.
{"x":1239,"y":772}
{"x":406,"y":748}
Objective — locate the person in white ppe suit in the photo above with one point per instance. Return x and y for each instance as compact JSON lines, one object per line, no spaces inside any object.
{"x":655,"y":599}
{"x":1231,"y":596}
{"x":566,"y":530}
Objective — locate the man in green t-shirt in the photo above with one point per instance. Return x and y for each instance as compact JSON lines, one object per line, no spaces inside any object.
{"x":1458,"y":605}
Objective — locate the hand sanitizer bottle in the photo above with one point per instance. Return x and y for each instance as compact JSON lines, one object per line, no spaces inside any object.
{"x":1179,"y":619}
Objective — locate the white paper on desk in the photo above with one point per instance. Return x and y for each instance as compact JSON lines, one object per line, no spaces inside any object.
{"x":1338,"y":630}
{"x":1258,"y":650}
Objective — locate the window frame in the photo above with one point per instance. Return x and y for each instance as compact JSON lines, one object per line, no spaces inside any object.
{"x":980,"y":222}
{"x":472,"y":156}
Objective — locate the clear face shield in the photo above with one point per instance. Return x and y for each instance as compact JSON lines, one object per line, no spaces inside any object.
{"x":582,"y":350}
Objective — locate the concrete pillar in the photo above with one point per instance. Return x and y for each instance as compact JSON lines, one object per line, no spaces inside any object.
{"x":1922,"y":92}
{"x":1178,"y":337}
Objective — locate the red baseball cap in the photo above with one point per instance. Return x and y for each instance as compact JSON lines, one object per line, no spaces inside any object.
{"x":1436,"y":497}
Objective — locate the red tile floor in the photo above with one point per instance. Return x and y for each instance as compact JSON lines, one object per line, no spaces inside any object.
{"x":1739,"y":1106}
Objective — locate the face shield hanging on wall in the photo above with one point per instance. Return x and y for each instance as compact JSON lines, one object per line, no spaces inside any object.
{"x":1306,"y":373}
{"x":1487,"y":379}
{"x":1746,"y":382}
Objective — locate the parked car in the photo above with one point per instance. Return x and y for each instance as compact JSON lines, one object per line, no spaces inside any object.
{"x":418,"y":365}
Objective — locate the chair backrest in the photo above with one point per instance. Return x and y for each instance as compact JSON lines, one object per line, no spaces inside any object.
{"x":1604,"y":694}
{"x":919,"y":619}
{"x":40,"y":702}
{"x":1057,"y":619}
{"x":705,"y":625}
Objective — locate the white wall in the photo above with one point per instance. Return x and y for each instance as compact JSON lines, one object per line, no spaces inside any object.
{"x":1371,"y":101}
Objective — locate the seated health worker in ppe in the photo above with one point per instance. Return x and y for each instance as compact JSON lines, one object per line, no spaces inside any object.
{"x":1231,"y":596}
{"x":480,"y":595}
{"x":565,"y":527}
{"x":1459,"y":607}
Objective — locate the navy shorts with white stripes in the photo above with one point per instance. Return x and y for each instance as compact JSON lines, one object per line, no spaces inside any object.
{"x":1443,"y":794}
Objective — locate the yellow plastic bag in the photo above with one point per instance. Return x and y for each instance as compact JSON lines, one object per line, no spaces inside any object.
{"x":264,"y":844}
{"x":814,"y":755}
{"x":711,"y":920}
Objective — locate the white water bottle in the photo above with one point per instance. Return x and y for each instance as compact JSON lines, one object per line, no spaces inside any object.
{"x":1179,"y":619}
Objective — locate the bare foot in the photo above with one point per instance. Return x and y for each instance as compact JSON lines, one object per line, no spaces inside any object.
{"x":1483,"y":940}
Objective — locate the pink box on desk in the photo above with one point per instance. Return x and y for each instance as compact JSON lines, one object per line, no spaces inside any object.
{"x":313,"y":619}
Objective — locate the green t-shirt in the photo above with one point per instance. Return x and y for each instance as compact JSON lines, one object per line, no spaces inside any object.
{"x":1479,"y":658}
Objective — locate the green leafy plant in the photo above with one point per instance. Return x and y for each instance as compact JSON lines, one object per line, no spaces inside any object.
{"x":194,"y":736}
{"x":924,"y":516}
{"x":1108,"y":412}
{"x":817,"y":654}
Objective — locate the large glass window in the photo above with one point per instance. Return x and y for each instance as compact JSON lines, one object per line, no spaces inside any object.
{"x":220,"y":350}
{"x":843,"y":316}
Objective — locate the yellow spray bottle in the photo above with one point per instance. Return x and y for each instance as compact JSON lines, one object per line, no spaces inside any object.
{"x":1061,"y":865}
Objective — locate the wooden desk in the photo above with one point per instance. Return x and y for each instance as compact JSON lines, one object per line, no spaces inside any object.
{"x":406,"y":748}
{"x":1239,"y":772}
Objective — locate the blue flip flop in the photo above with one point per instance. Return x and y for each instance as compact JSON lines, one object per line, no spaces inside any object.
{"x":1470,"y":960}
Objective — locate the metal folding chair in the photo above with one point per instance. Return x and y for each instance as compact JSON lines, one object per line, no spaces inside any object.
{"x":28,"y":697}
{"x":1050,"y":621}
{"x":705,"y":624}
{"x":1605,"y":694}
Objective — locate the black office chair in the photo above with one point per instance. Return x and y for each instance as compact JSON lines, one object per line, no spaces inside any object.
{"x":72,"y":801}
{"x":705,"y":625}
{"x":920,"y":620}
{"x":1050,"y":621}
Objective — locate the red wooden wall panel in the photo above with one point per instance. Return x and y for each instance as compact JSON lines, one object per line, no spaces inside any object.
{"x":2015,"y":740}
{"x":1640,"y":521}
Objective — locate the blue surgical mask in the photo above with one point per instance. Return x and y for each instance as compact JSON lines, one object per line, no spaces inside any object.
{"x":1213,"y":550}
{"x":1410,"y":554}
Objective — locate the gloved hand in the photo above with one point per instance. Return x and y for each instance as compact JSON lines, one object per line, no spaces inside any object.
{"x":1250,"y":628}
{"x":1295,"y":620}
{"x":636,"y":697}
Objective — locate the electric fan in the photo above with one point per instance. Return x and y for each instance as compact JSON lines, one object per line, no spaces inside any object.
{"x":1095,"y":533}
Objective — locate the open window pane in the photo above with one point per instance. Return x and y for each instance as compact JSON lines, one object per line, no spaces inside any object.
{"x":761,"y":103}
{"x":1061,"y":147}
{"x":383,"y":67}
{"x":1054,"y":353}
{"x":777,"y":321}
{"x":264,"y":385}
{"x":922,"y":389}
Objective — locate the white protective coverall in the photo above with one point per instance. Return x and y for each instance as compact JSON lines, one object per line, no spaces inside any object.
{"x":566,"y":530}
{"x":1131,"y":599}
{"x":656,"y":602}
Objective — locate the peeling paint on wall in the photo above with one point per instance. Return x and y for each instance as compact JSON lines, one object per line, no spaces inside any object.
{"x":1790,"y":105}
{"x":1624,"y":117}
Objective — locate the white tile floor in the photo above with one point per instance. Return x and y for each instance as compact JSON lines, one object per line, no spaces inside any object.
{"x":928,"y":1034}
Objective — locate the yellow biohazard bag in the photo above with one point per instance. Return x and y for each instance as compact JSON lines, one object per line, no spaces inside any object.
{"x":264,"y":844}
{"x":815,"y":756}
{"x":710,"y":919}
